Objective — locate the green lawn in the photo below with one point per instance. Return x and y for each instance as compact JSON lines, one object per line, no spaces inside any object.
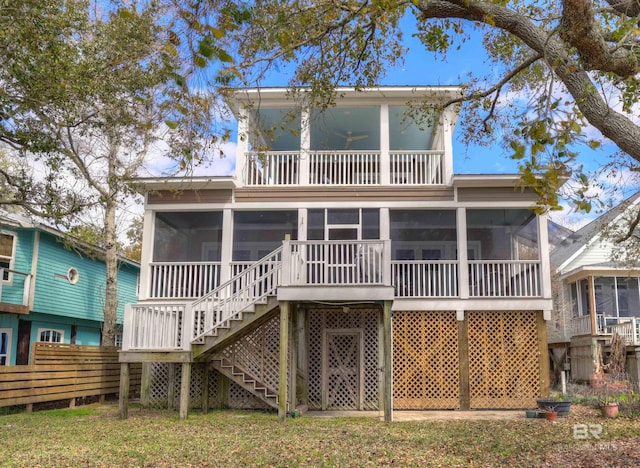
{"x":94,"y":436}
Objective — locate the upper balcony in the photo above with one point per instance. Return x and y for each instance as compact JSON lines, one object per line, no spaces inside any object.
{"x":371,"y":138}
{"x":14,"y":291}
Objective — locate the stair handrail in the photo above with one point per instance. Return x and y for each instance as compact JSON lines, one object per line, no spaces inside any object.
{"x":232,"y":297}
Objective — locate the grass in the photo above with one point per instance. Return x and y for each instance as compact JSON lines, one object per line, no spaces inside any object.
{"x":94,"y":436}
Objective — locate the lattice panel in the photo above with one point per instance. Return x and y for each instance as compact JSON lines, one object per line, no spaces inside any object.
{"x":159,"y":386}
{"x":366,"y":319}
{"x":259,"y":352}
{"x":503,"y":359}
{"x":240,"y":398}
{"x":425,"y":360}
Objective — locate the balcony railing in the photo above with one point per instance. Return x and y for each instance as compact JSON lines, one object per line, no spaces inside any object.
{"x":417,"y":167}
{"x":154,"y":326}
{"x":627,"y":327}
{"x":504,"y":278}
{"x":282,"y":168}
{"x":336,"y":263}
{"x":425,"y":278}
{"x":359,"y":263}
{"x":629,"y":330}
{"x":17,"y":292}
{"x":183,"y":280}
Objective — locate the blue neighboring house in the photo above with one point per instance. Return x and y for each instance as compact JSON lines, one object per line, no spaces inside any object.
{"x":52,"y":290}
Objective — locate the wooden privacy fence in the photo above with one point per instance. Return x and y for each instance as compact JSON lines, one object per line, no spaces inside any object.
{"x":64,"y":372}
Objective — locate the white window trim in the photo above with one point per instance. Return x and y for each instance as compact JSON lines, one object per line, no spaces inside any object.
{"x":12,"y":260}
{"x":9,"y":332}
{"x":40,"y":330}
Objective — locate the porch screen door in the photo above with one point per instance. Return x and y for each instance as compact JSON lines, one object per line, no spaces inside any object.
{"x":342,"y":376}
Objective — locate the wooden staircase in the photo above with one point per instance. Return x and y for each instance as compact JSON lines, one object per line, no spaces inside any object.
{"x":226,"y":333}
{"x":247,"y":381}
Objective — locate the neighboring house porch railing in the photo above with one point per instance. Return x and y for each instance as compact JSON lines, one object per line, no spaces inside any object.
{"x":627,"y":327}
{"x":18,"y":277}
{"x":629,"y":330}
{"x":345,"y":167}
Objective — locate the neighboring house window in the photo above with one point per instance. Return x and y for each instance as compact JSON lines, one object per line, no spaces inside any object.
{"x":48,"y":335}
{"x":5,"y":346}
{"x":119,"y":340}
{"x":617,"y":297}
{"x":7,"y":254}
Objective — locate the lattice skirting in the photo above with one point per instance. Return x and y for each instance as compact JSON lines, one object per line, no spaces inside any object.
{"x":504,"y":359}
{"x":425,"y":360}
{"x":238,"y":397}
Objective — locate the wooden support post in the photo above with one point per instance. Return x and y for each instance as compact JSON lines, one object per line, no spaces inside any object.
{"x":185,"y":388}
{"x":381,"y":360}
{"x":388,"y":362}
{"x":222,"y":392}
{"x":204,"y":392}
{"x":72,"y":403}
{"x":171,"y":382}
{"x":592,"y":306}
{"x":145,"y":385}
{"x":284,"y":354}
{"x":543,"y":346}
{"x":302,"y":382}
{"x":123,"y":402}
{"x":463,"y":359}
{"x":293,"y":359}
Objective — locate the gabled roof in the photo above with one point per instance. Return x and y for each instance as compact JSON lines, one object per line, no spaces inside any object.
{"x":577,"y":242}
{"x":18,"y":221}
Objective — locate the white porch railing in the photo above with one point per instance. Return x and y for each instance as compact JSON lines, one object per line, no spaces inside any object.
{"x":417,"y":167}
{"x":504,"y":278}
{"x":26,"y":285}
{"x":350,"y":263}
{"x":154,"y":326}
{"x":230,"y":299}
{"x":344,"y":168}
{"x":273,"y":168}
{"x":425,"y":278}
{"x":172,"y":280}
{"x":580,"y":325}
{"x":629,"y":330}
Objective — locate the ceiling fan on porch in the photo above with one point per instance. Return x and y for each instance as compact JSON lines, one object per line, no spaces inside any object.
{"x":349,"y":138}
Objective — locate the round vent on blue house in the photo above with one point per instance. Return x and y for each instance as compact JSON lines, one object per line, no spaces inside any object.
{"x":72,"y":275}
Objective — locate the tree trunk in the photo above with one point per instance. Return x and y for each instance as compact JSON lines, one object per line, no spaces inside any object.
{"x":111,"y":257}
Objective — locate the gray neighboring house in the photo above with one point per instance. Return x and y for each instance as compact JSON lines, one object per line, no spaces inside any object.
{"x":594,"y":296}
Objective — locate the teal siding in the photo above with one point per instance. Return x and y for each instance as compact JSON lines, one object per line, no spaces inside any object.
{"x":85,"y":299}
{"x":10,"y":322}
{"x":12,"y":293}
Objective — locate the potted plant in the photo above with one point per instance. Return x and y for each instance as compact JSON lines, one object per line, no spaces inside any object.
{"x":608,"y":406}
{"x":550,"y":414}
{"x":608,"y":403}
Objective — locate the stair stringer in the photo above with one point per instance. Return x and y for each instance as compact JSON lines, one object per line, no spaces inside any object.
{"x":247,"y":381}
{"x":234,"y":328}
